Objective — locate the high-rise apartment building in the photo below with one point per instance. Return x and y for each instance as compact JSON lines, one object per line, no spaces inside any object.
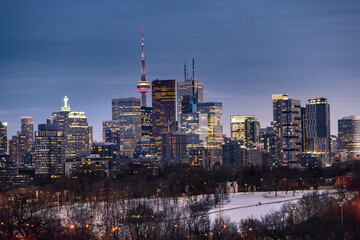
{"x":27,"y":129}
{"x":303,"y":129}
{"x":49,"y":148}
{"x":318,"y":128}
{"x":245,"y":129}
{"x":287,"y":126}
{"x":349,"y":136}
{"x":277,"y":124}
{"x":3,"y":138}
{"x":163,"y":109}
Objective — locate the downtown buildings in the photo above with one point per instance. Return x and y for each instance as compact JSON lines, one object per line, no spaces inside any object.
{"x":301,"y":132}
{"x":180,"y":127}
{"x":67,"y":136}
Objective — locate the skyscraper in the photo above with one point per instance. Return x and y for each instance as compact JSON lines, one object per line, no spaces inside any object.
{"x":143,"y":86}
{"x":215,"y":129}
{"x":174,"y":148}
{"x":17,"y":148}
{"x":349,"y":136}
{"x":245,"y":129}
{"x":3,"y":138}
{"x":75,"y":129}
{"x":318,"y":128}
{"x":232,"y":152}
{"x":164,"y":113}
{"x":127,"y":112}
{"x":196,"y":126}
{"x":27,"y":129}
{"x":77,"y":135}
{"x":287,"y":126}
{"x":189,"y":87}
{"x":49,"y":148}
{"x":111,"y":132}
{"x":268,"y":139}
{"x":146,"y":122}
{"x":303,"y":129}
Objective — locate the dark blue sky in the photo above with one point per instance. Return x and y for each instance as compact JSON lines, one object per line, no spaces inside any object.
{"x":244,"y":51}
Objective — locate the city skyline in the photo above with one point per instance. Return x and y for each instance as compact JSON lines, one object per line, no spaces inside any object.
{"x":300,"y":49}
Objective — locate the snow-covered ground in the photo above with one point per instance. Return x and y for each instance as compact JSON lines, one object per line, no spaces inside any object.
{"x":242,"y":206}
{"x":239,"y":206}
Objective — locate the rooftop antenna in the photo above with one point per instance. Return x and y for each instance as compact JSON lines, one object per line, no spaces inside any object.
{"x":193,"y":68}
{"x":185,"y":70}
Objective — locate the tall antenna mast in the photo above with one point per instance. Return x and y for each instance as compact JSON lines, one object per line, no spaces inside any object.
{"x":185,"y":70}
{"x":193,"y":68}
{"x":143,"y":78}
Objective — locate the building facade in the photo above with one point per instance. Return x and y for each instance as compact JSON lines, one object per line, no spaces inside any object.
{"x":246,"y":129}
{"x":128,"y":112}
{"x":287,"y":127}
{"x":349,"y":136}
{"x":78,"y":136}
{"x":233,"y":153}
{"x":174,"y":148}
{"x":189,"y":87}
{"x":49,"y":149}
{"x":163,"y":110}
{"x":318,"y":129}
{"x":196,"y":126}
{"x":27,"y":129}
{"x":215,"y":129}
{"x":3,"y":138}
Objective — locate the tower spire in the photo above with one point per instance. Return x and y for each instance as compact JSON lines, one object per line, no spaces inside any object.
{"x":193,"y":68}
{"x":184,"y":70}
{"x":143,"y":77}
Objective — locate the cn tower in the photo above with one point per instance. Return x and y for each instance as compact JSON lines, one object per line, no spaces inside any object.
{"x":143,"y":86}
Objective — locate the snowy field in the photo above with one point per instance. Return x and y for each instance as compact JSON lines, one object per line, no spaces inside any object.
{"x":242,"y":206}
{"x":239,"y":205}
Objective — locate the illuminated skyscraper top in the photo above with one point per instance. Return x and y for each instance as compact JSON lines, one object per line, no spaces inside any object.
{"x":143,"y":86}
{"x":3,"y":138}
{"x":65,"y":108}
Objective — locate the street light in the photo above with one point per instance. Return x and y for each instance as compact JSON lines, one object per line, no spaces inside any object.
{"x":341,"y":204}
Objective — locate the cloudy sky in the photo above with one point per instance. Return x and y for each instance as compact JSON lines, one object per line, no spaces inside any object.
{"x":244,"y":52}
